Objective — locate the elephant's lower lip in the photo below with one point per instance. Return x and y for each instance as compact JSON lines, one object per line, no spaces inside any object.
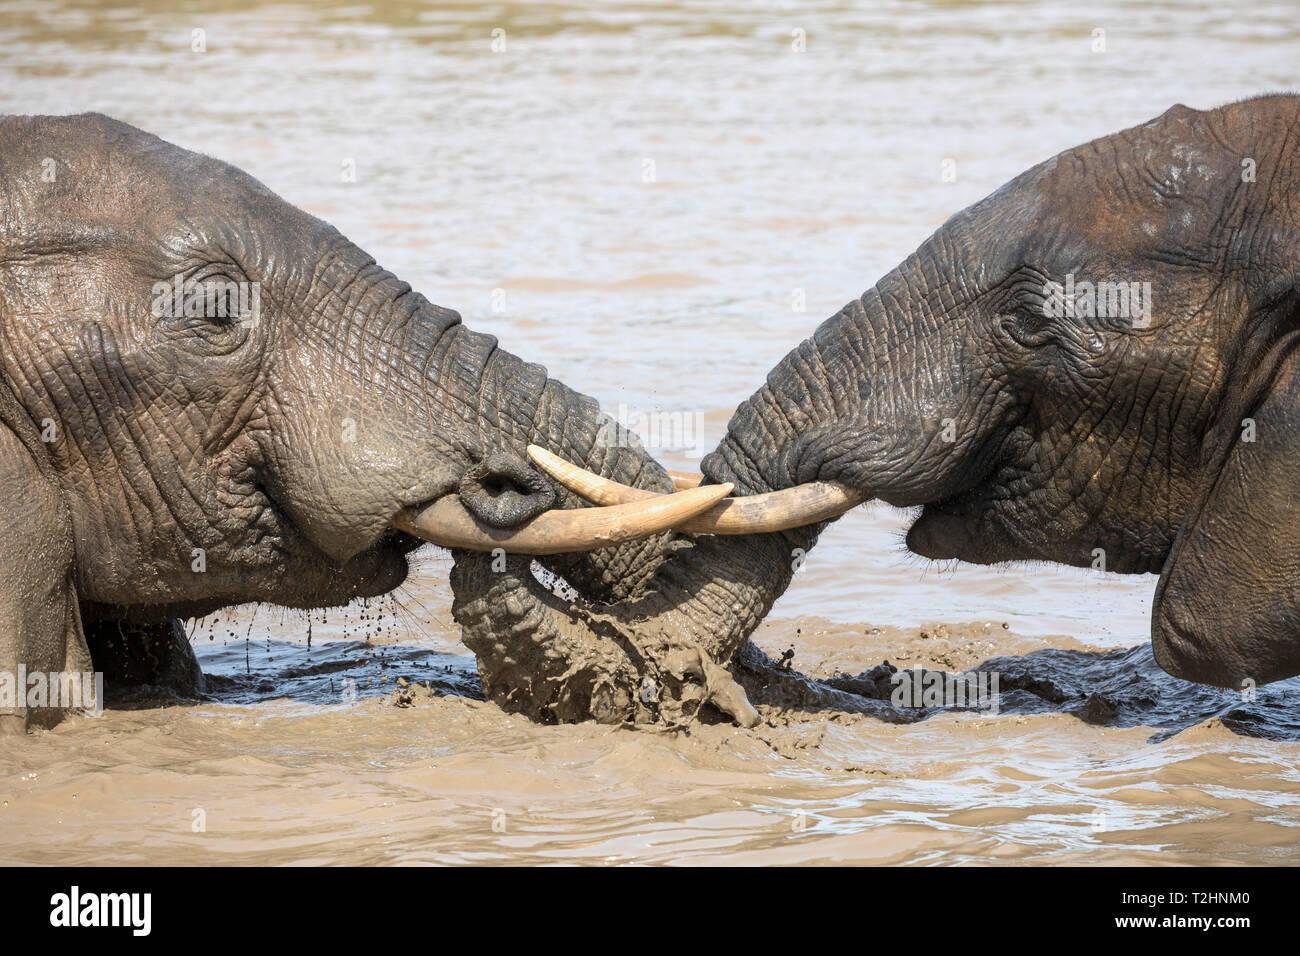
{"x":935,"y":535}
{"x":398,"y":540}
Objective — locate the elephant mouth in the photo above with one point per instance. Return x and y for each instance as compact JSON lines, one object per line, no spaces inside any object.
{"x":624,"y":513}
{"x":938,"y":534}
{"x":393,"y":540}
{"x":962,"y":528}
{"x":449,"y":523}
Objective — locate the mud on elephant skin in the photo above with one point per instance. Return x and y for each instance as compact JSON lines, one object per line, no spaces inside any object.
{"x":1096,"y":363}
{"x":209,"y":397}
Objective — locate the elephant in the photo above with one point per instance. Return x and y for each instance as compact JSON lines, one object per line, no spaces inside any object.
{"x":209,"y":397}
{"x":1096,"y":365}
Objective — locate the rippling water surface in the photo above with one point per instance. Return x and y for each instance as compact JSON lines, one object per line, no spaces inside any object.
{"x":639,"y":196}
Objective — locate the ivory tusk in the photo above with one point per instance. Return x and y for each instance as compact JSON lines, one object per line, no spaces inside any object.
{"x":684,"y":479}
{"x":449,"y":523}
{"x":775,"y":511}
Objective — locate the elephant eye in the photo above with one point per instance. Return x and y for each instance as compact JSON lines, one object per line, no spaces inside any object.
{"x":1027,"y":322}
{"x":220,"y":300}
{"x":212,"y":297}
{"x":208,"y":311}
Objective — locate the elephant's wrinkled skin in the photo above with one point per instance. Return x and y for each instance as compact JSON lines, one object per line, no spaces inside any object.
{"x":162,"y":462}
{"x":1164,"y":437}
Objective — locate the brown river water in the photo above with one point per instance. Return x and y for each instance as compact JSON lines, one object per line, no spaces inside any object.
{"x":657,"y":202}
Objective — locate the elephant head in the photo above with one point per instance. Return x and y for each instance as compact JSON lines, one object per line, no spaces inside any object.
{"x":209,"y":397}
{"x":1095,"y":365}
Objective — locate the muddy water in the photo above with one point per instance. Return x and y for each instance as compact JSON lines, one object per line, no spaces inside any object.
{"x":657,"y":202}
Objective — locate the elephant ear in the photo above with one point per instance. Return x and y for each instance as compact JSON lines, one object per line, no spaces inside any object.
{"x":1227,"y":608}
{"x":40,"y":618}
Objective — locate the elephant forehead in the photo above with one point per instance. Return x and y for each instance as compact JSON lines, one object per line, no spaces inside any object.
{"x":1158,"y":186}
{"x":1168,"y":184}
{"x":81,"y":184}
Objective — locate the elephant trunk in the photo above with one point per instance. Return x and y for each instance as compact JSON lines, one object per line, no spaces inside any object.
{"x":497,"y":599}
{"x":656,"y":654}
{"x":562,"y":418}
{"x":867,"y":402}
